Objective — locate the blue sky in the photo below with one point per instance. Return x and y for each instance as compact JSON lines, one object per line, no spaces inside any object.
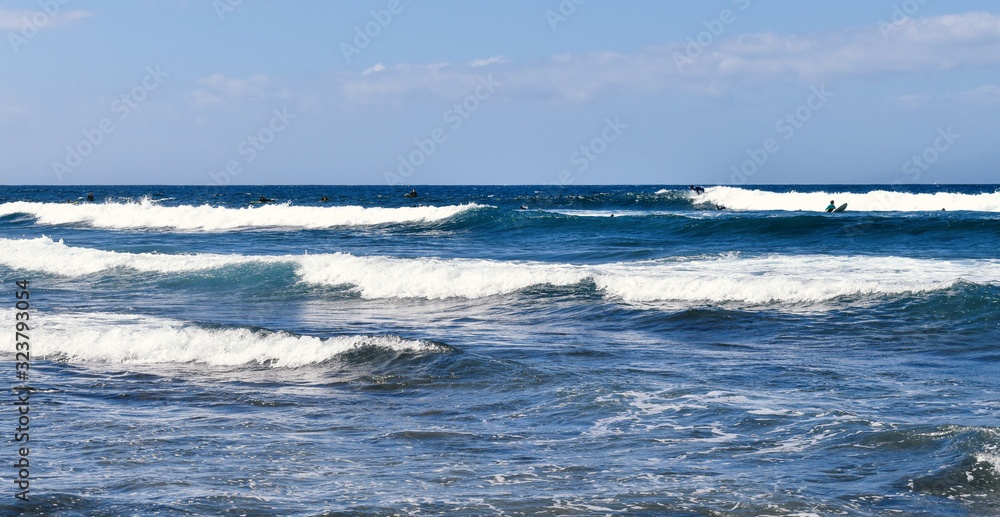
{"x":461,"y":92}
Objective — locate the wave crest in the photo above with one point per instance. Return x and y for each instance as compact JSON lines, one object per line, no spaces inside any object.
{"x":146,"y":213}
{"x":119,"y":339}
{"x":712,"y":279}
{"x":736,"y":198}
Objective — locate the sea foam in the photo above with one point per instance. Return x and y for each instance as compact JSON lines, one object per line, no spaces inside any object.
{"x":714,"y":278}
{"x":122,"y":339}
{"x":150,"y":214}
{"x":735,"y":198}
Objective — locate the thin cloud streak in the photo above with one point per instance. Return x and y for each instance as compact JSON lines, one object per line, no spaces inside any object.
{"x":913,"y":46}
{"x":16,"y":20}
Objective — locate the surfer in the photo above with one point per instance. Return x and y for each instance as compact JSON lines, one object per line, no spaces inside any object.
{"x":413,"y":193}
{"x":832,"y":206}
{"x":90,"y":196}
{"x":264,"y":200}
{"x":697,"y":190}
{"x":323,"y":199}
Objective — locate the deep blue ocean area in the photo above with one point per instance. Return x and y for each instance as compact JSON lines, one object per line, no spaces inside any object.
{"x":505,"y":350}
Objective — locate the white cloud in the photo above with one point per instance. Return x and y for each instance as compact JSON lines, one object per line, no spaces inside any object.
{"x":490,"y":61}
{"x":204,"y":98}
{"x":219,"y":88}
{"x":235,"y":88}
{"x":401,"y":80}
{"x":983,"y":97}
{"x":932,"y":45}
{"x":927,"y":45}
{"x":11,"y":20}
{"x":38,"y":20}
{"x":377,"y":68}
{"x":11,"y":111}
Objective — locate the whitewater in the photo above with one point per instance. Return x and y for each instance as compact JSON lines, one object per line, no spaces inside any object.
{"x":877,"y":200}
{"x":752,"y":280}
{"x":147,"y":213}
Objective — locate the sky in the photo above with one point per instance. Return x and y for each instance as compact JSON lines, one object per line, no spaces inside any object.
{"x":560,"y":92}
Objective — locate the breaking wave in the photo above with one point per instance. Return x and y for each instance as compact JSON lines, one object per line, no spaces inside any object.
{"x":874,"y":201}
{"x":150,"y":214}
{"x":714,"y":278}
{"x":121,"y":339}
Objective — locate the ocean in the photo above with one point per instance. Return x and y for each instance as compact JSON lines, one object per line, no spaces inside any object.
{"x":501,"y":350}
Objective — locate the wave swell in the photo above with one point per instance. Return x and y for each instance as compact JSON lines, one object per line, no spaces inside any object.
{"x":150,"y":214}
{"x":713,"y":279}
{"x":120,"y":339}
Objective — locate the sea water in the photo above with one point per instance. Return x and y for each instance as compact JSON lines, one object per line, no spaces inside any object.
{"x":497,"y":350}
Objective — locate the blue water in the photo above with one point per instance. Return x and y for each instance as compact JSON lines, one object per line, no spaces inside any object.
{"x":455,"y":354}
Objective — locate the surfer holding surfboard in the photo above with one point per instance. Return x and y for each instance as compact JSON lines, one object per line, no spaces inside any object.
{"x":834,"y":208}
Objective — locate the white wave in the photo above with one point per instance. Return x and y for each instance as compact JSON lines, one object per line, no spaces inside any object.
{"x":383,"y":277}
{"x":121,"y":339}
{"x":55,"y":257}
{"x":714,"y":279}
{"x":875,"y":201}
{"x":791,"y":278}
{"x":150,"y":214}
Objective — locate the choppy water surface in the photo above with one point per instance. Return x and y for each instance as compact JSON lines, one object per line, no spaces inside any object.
{"x":455,"y":354}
